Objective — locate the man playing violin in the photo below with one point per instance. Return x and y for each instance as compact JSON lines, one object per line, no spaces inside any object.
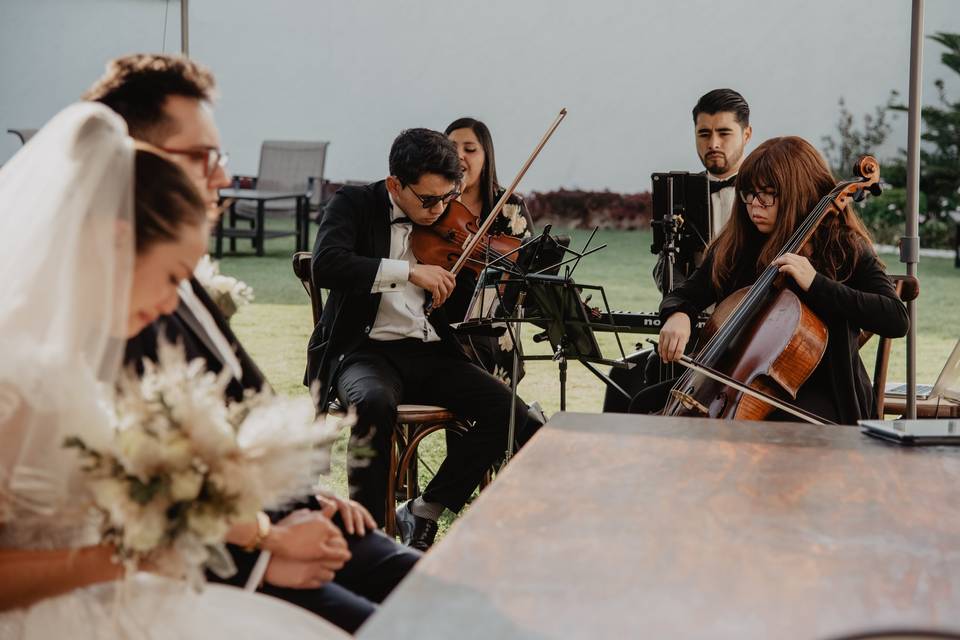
{"x":376,"y":346}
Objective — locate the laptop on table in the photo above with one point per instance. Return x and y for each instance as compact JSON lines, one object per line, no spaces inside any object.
{"x":946,"y":384}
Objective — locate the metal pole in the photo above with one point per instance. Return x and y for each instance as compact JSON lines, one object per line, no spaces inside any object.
{"x":185,"y":27}
{"x":910,"y":243}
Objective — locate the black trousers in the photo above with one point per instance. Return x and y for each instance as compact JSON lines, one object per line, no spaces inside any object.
{"x":648,"y":371}
{"x":381,"y":375}
{"x":376,"y":566}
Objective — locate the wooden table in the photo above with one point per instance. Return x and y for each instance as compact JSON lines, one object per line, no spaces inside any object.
{"x":930,"y":408}
{"x":617,"y":526}
{"x":259,"y":232}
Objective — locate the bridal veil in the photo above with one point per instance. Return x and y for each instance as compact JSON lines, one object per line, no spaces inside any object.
{"x":66,"y":255}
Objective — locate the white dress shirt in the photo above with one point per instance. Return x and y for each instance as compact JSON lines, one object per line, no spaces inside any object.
{"x":401,"y":312}
{"x":227,"y":355}
{"x":721,"y":204}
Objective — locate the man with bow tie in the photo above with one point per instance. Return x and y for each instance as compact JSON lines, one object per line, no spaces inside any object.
{"x":376,"y":346}
{"x":721,"y":120}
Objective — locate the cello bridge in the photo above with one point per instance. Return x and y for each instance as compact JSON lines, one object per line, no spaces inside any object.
{"x":689,"y":402}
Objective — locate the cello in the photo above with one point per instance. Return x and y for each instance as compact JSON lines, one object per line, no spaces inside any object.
{"x":763,"y":342}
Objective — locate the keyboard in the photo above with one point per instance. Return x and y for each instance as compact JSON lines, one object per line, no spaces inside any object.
{"x":638,"y":321}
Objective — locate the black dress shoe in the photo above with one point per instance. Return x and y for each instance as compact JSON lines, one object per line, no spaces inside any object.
{"x":415,"y":532}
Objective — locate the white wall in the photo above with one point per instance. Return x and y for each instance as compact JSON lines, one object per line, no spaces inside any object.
{"x":52,"y":50}
{"x":356,"y":72}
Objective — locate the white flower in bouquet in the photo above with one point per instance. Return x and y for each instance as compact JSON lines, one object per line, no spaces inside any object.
{"x":207,"y":524}
{"x":147,"y":527}
{"x":114,"y":494}
{"x":185,"y":485}
{"x":227,"y":292}
{"x":185,"y":465}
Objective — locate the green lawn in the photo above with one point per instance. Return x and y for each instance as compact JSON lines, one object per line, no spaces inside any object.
{"x":276,"y":327}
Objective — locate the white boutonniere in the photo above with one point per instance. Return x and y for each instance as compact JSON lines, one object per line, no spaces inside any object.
{"x":227,"y":292}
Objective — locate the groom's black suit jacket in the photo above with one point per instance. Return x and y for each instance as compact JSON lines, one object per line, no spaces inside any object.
{"x":184,"y":327}
{"x":353,"y":237}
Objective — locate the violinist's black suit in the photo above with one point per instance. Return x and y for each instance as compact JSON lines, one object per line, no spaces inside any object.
{"x":376,"y":375}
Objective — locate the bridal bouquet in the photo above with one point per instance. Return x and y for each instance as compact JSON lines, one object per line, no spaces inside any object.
{"x":226,"y":291}
{"x":184,"y":466}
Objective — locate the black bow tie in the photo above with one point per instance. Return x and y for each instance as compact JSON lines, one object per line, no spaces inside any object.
{"x":717,"y":185}
{"x":401,"y":220}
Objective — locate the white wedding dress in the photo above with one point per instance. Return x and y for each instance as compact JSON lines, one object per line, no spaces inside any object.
{"x":66,"y":254}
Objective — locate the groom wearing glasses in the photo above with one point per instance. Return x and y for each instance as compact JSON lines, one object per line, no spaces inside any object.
{"x":375,"y":346}
{"x":325,"y":557}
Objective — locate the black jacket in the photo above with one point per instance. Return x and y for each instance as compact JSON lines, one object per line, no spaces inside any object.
{"x":353,"y":237}
{"x":839,"y":388}
{"x":183,"y":326}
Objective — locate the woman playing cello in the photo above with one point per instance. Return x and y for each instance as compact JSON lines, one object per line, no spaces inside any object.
{"x":838,"y":276}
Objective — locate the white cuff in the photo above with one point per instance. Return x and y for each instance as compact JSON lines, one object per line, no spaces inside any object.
{"x":391,"y":276}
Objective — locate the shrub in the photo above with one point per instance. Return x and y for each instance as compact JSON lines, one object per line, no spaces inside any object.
{"x":885,"y":217}
{"x":578,"y":209}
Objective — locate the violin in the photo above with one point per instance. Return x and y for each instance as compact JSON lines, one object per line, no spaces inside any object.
{"x":459,"y":240}
{"x":763,"y":342}
{"x":444,"y":242}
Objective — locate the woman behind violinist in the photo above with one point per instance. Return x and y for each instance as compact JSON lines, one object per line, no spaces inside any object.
{"x":480,"y":192}
{"x":839,"y":277}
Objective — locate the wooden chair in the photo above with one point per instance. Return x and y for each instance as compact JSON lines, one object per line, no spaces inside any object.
{"x":908,"y":288}
{"x":414,"y":422}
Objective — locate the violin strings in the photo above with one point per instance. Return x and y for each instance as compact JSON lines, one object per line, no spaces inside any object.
{"x":486,"y":248}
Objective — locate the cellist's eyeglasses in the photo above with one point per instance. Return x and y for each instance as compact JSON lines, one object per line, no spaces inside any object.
{"x":429,"y":202}
{"x":763,"y":198}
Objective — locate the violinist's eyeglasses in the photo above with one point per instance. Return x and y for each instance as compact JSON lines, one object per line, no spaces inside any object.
{"x":763,"y":198}
{"x":211,"y":157}
{"x":429,"y":202}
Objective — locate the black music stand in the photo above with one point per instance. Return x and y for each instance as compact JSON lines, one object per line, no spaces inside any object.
{"x":506,"y":276}
{"x":568,"y":327}
{"x":530,"y":292}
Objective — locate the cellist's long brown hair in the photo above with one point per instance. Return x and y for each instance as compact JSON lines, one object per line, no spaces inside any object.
{"x":797,"y":173}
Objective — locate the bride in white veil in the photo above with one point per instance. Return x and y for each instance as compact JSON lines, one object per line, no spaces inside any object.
{"x":75,"y":284}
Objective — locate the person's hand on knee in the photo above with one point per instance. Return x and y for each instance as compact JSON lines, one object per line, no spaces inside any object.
{"x":356,"y":519}
{"x":297,"y":574}
{"x":307,"y":535}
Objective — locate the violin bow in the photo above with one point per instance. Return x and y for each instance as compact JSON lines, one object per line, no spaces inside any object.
{"x":482,"y":231}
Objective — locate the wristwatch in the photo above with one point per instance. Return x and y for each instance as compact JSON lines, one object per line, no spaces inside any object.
{"x":263,"y":530}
